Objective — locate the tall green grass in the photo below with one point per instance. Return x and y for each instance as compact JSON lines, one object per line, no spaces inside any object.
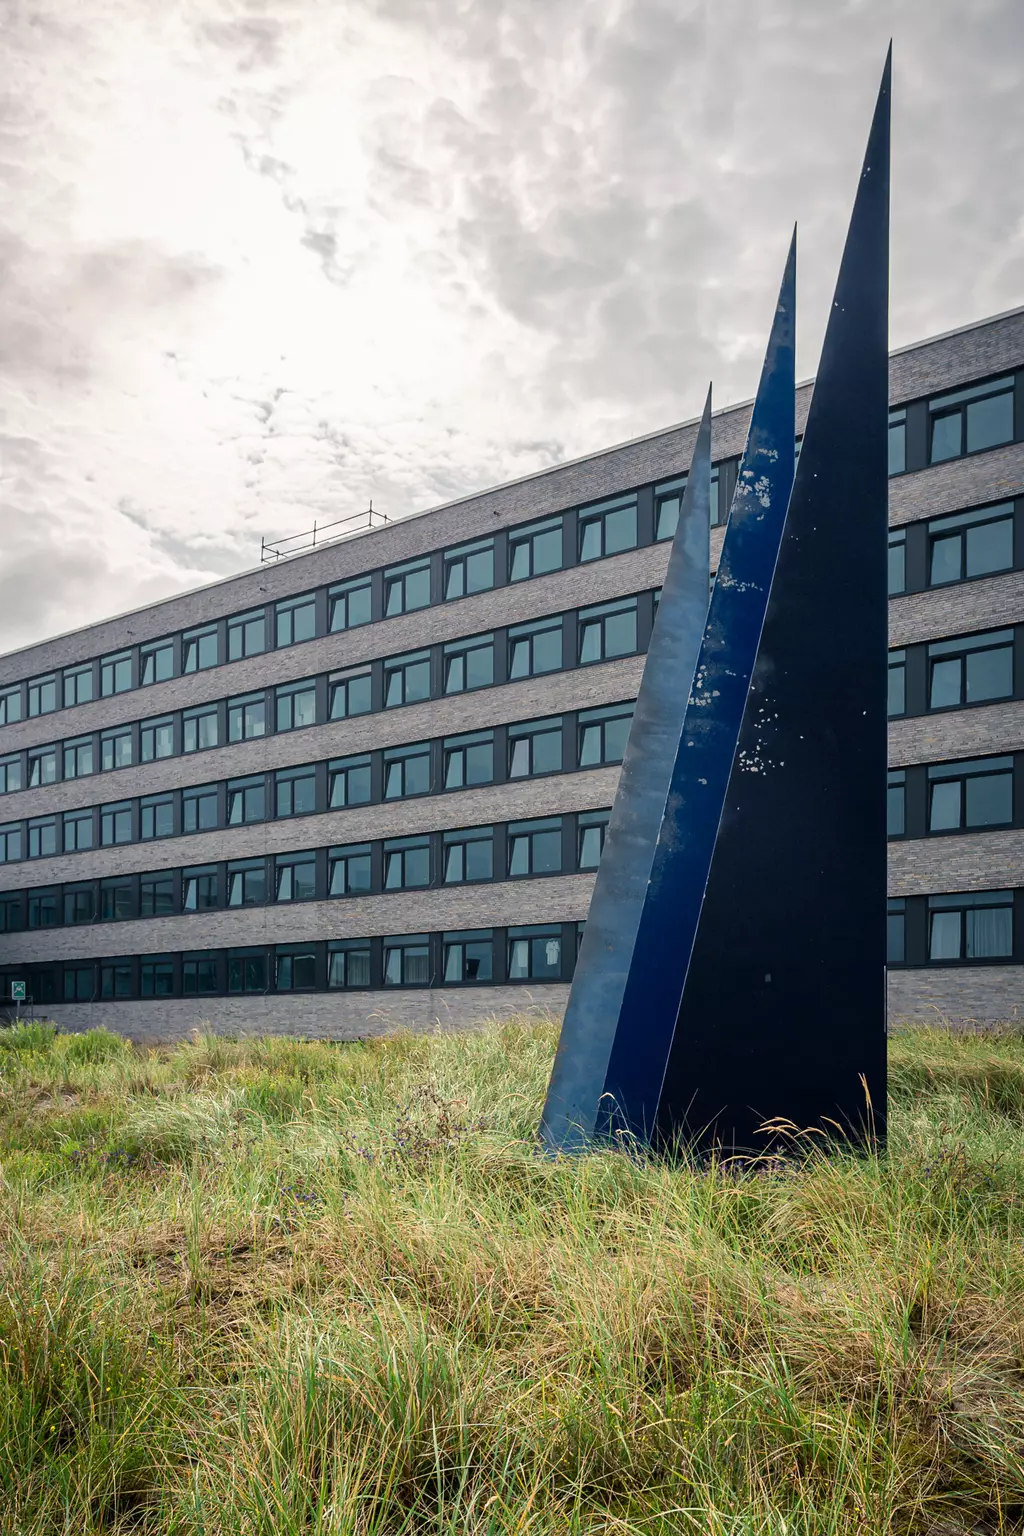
{"x":275,"y":1287}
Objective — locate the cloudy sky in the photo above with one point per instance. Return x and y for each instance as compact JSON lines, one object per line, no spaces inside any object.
{"x":262,"y":260}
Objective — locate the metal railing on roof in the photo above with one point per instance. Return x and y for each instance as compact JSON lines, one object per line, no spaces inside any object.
{"x":321,"y":533}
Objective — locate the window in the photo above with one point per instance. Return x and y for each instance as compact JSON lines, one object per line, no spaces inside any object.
{"x":10,"y":774}
{"x":407,"y":961}
{"x":608,"y":528}
{"x":156,"y":816}
{"x":468,"y":855}
{"x":348,"y":870}
{"x":592,"y":828}
{"x":156,"y":976}
{"x":199,"y":808}
{"x":534,"y":954}
{"x":77,"y":831}
{"x":468,"y":760}
{"x":469,"y":569}
{"x":156,"y":663}
{"x":967,"y":420}
{"x":78,"y":983}
{"x":668,"y":503}
{"x":296,"y":877}
{"x":247,"y":634}
{"x":535,"y":549}
{"x":970,"y":794}
{"x":535,"y":648}
{"x":156,"y":896}
{"x":247,"y":971}
{"x":897,"y":563}
{"x":42,"y":837}
{"x":897,"y":703}
{"x":295,"y":620}
{"x":406,"y":863}
{"x":975,"y":543}
{"x":294,"y":791}
{"x":469,"y":957}
{"x":247,"y":883}
{"x":78,"y":758}
{"x":115,"y":673}
{"x":199,"y":973}
{"x":247,"y":717}
{"x":115,"y":978}
{"x":117,"y":899}
{"x":42,"y":766}
{"x":608,"y":630}
{"x":349,"y":694}
{"x":246,"y":800}
{"x":116,"y":749}
{"x":348,"y":964}
{"x":535,"y":747}
{"x":296,"y":706}
{"x":199,"y":728}
{"x":603,"y":734}
{"x":970,"y":670}
{"x":78,"y":686}
{"x":407,"y":771}
{"x":895,"y":931}
{"x":199,"y":649}
{"x":295,"y":968}
{"x":79,"y":904}
{"x":42,"y":909}
{"x":115,"y":823}
{"x":348,"y":780}
{"x":10,"y":842}
{"x":896,"y":802}
{"x":200,"y":889}
{"x":156,"y":739}
{"x":897,"y":442}
{"x":406,"y":679}
{"x":10,"y":705}
{"x":10,"y":912}
{"x":406,"y":587}
{"x":469,"y":664}
{"x":42,"y":695}
{"x":349,"y":604}
{"x":535,"y":847}
{"x":971,"y":926}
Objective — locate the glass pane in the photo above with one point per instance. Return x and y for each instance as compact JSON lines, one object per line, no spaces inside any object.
{"x":896,"y":810}
{"x":620,"y":634}
{"x":945,"y":437}
{"x":989,"y":932}
{"x":547,"y":650}
{"x":519,"y":959}
{"x":393,"y":968}
{"x":547,"y":852}
{"x":479,"y":860}
{"x":590,"y":847}
{"x":480,"y":667}
{"x":897,"y":567}
{"x":945,"y":936}
{"x":590,"y":641}
{"x":620,"y":530}
{"x":944,"y":815}
{"x":417,"y":589}
{"x":547,"y":551}
{"x":990,"y":548}
{"x":547,"y":957}
{"x":945,"y":562}
{"x":990,"y":800}
{"x":668,"y":517}
{"x":547,"y":752}
{"x":590,"y":746}
{"x":480,"y":763}
{"x":989,"y":422}
{"x":989,"y":674}
{"x":897,"y":448}
{"x":519,"y":856}
{"x":590,"y":546}
{"x":480,"y":571}
{"x":454,"y":864}
{"x":945,"y":689}
{"x":519,"y":663}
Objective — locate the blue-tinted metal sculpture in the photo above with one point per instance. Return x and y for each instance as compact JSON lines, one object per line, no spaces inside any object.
{"x":755,"y":984}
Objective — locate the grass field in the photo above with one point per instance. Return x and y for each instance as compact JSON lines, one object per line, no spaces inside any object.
{"x":279,"y":1287}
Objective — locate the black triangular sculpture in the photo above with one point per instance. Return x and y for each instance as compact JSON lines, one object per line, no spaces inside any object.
{"x":783,"y":1011}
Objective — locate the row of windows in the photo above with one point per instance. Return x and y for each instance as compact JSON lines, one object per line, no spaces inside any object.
{"x":960,"y":547}
{"x":526,"y":749}
{"x":584,"y":636}
{"x":948,"y":674}
{"x":475,"y":957}
{"x":933,"y":431}
{"x":970,"y":795}
{"x":547,"y":845}
{"x":969,"y":927}
{"x":534,"y":549}
{"x":955,"y":423}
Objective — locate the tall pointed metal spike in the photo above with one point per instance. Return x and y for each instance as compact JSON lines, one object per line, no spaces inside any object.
{"x":707,"y":742}
{"x":783,"y":1013}
{"x":592,"y":1013}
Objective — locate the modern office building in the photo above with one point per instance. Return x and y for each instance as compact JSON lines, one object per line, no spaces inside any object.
{"x":367,"y":784}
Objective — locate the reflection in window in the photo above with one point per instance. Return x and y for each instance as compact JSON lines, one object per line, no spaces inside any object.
{"x":469,"y":664}
{"x":967,"y":420}
{"x":975,"y":543}
{"x":115,"y":824}
{"x":10,"y":774}
{"x":975,"y":925}
{"x":42,"y":695}
{"x":406,"y":863}
{"x":897,"y":562}
{"x":156,"y":663}
{"x":296,"y":706}
{"x":247,"y":883}
{"x":406,"y":587}
{"x":10,"y":705}
{"x":246,"y":800}
{"x":295,"y":792}
{"x":897,"y":442}
{"x":468,"y":760}
{"x":535,"y":847}
{"x":78,"y":758}
{"x":536,"y":648}
{"x":42,"y":766}
{"x":608,"y":528}
{"x":348,"y":604}
{"x":199,"y":728}
{"x":156,"y":816}
{"x":295,"y":620}
{"x":348,"y":781}
{"x":348,"y":870}
{"x":897,"y":683}
{"x":603,"y":734}
{"x":896,"y":935}
{"x":247,"y":970}
{"x":971,"y":669}
{"x":296,"y":877}
{"x":535,"y":549}
{"x":247,"y":635}
{"x":115,"y":673}
{"x":117,"y":899}
{"x":296,"y":967}
{"x":349,"y":693}
{"x":247,"y":717}
{"x":591,"y":829}
{"x":535,"y":747}
{"x":469,"y":569}
{"x":406,"y":679}
{"x":407,"y":771}
{"x":199,"y":808}
{"x":468,"y":855}
{"x":970,"y":794}
{"x":156,"y":739}
{"x":78,"y":686}
{"x":896,"y":802}
{"x":608,"y":630}
{"x":116,"y":749}
{"x":200,"y":889}
{"x":199,"y":649}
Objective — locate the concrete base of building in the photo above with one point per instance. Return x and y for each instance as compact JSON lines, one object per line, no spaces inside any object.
{"x":977,"y":994}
